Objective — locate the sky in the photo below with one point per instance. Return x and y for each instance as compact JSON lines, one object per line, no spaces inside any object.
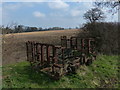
{"x":47,"y":14}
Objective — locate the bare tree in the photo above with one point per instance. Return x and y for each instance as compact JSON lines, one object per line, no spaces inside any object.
{"x":113,"y":5}
{"x":94,"y":15}
{"x":18,"y":28}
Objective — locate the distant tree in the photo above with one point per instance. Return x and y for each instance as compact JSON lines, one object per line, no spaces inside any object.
{"x":6,"y":30}
{"x":40,"y":28}
{"x":49,"y":28}
{"x":76,"y":28}
{"x":34,"y":28}
{"x":9,"y":28}
{"x":18,"y":29}
{"x":55,"y":28}
{"x":94,"y":15}
{"x":113,"y":5}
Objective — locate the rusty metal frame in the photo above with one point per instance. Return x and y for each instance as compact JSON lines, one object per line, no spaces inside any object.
{"x":45,"y":55}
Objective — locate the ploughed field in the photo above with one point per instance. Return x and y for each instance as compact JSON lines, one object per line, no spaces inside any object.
{"x":14,"y":47}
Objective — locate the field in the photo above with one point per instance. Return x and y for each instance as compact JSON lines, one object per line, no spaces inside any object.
{"x":101,"y":74}
{"x":14,"y":49}
{"x":17,"y":73}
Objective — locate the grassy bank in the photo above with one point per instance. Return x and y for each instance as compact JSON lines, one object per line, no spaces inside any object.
{"x":101,"y":74}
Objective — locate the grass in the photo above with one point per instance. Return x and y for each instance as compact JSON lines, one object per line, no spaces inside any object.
{"x":101,"y":74}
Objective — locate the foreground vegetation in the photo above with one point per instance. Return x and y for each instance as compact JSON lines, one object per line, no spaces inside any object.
{"x":101,"y":74}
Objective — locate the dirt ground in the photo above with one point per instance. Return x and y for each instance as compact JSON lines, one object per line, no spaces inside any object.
{"x":14,"y":47}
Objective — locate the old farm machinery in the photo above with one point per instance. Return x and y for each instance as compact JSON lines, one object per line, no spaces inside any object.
{"x":60,"y":60}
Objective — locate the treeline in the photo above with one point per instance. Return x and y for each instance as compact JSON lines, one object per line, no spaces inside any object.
{"x":21,"y":28}
{"x":108,"y":36}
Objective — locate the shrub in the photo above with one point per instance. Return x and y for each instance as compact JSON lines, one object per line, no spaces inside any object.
{"x":108,"y":36}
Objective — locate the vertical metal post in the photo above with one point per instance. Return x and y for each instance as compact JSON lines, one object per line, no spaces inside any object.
{"x":53,"y":70}
{"x":63,"y":57}
{"x":76,"y":43}
{"x":32,"y":51}
{"x":53,"y":60}
{"x":42,"y":54}
{"x":54,"y":55}
{"x":64,"y":41}
{"x":82,"y":45}
{"x":71,"y":42}
{"x":27,"y":51}
{"x":48,"y":53}
{"x":39,"y":52}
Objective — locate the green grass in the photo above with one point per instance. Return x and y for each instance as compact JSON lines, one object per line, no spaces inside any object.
{"x":101,"y":74}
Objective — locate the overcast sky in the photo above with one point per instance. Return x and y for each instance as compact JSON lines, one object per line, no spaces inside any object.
{"x":47,"y":14}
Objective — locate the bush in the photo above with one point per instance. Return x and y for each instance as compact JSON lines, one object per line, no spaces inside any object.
{"x":108,"y":36}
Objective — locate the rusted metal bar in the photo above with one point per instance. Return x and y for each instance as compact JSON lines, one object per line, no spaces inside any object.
{"x":48,"y":53}
{"x":35,"y":52}
{"x":76,"y":43}
{"x":42,"y":54}
{"x":39,"y":52}
{"x":82,"y":45}
{"x":44,"y":44}
{"x":70,"y":42}
{"x":53,"y":60}
{"x":27,"y":51}
{"x":53,"y":69}
{"x":63,"y":57}
{"x":90,"y":47}
{"x":54,"y":55}
{"x":32,"y":51}
{"x":64,"y":41}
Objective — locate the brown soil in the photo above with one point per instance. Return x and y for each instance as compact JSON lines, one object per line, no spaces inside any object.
{"x":14,"y":47}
